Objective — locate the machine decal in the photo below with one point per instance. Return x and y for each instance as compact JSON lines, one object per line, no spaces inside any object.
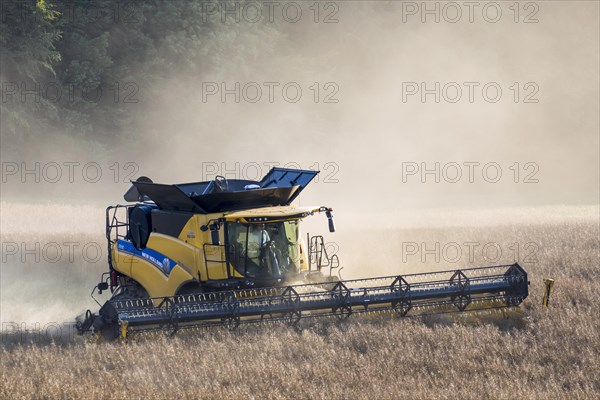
{"x":160,"y":261}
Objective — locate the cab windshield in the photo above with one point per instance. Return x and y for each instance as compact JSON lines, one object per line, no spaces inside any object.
{"x":264,"y":251}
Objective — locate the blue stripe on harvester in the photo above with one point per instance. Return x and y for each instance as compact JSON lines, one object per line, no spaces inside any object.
{"x":160,"y":261}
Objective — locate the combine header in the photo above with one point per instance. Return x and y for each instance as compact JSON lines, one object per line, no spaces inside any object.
{"x":230,"y":252}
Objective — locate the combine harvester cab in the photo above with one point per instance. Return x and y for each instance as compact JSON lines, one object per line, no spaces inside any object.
{"x":230,"y":252}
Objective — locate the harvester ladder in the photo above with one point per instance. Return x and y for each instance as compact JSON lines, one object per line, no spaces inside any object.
{"x":116,"y":228}
{"x":318,"y":256}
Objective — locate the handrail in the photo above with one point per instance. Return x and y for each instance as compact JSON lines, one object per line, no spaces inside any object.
{"x":207,"y":260}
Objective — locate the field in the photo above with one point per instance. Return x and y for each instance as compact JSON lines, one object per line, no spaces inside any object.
{"x":533,"y":353}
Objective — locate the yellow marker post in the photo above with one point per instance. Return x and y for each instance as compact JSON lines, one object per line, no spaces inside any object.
{"x":124,"y":326}
{"x":549,"y":285}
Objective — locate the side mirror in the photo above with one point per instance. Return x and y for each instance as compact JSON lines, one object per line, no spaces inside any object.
{"x":330,"y":220}
{"x":214,"y":233}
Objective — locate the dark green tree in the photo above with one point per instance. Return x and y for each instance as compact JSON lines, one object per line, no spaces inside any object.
{"x":28,"y":57}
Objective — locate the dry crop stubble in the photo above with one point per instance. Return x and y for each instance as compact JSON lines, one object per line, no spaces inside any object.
{"x":536,"y":353}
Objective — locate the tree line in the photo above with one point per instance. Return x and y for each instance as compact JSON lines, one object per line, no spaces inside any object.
{"x":70,"y":65}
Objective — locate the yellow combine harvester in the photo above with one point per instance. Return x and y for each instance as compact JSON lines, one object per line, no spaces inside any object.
{"x":227,"y":252}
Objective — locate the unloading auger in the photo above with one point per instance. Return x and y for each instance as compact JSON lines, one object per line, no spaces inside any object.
{"x":227,"y":253}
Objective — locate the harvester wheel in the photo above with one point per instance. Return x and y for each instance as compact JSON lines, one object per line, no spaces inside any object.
{"x":110,"y":332}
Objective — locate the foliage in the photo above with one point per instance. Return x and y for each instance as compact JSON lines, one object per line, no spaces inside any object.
{"x":82,"y":59}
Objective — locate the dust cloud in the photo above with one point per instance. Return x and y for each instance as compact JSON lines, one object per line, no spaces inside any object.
{"x":355,"y":120}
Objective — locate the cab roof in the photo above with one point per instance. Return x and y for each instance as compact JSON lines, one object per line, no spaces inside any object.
{"x":267,"y":214}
